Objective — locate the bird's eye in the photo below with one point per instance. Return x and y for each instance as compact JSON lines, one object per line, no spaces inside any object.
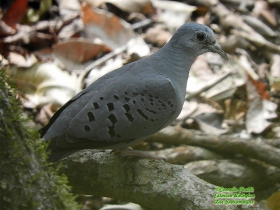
{"x":200,"y":36}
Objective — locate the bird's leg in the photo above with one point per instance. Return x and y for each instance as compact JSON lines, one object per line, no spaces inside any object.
{"x":130,"y":153}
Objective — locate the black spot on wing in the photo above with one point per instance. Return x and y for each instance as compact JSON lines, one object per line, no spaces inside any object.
{"x":90,"y":116}
{"x":111,"y":131}
{"x":151,"y":111}
{"x":95,"y":105}
{"x":112,"y":118}
{"x":142,"y":114}
{"x":87,"y":128}
{"x":110,"y":106}
{"x":129,"y":117}
{"x":126,"y":107}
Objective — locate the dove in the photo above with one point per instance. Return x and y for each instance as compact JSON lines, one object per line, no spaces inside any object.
{"x":133,"y":102}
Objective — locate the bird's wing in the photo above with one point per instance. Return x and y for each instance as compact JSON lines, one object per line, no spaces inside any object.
{"x":117,"y":114}
{"x":60,"y":122}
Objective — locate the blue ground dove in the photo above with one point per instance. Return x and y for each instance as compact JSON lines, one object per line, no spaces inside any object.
{"x":133,"y":102}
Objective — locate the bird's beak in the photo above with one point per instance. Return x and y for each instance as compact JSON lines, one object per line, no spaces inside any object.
{"x":217,"y":49}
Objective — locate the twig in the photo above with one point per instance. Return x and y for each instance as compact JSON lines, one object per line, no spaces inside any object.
{"x":251,"y":148}
{"x":141,"y":24}
{"x":208,"y":86}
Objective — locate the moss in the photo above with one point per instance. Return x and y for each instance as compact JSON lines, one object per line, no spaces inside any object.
{"x":27,"y":180}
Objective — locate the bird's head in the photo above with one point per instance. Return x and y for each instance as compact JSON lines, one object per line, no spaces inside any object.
{"x":198,"y":39}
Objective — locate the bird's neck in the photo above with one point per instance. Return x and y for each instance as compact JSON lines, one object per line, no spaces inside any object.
{"x":175,"y":64}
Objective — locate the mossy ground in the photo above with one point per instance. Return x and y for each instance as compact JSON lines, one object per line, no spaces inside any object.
{"x":27,"y":181}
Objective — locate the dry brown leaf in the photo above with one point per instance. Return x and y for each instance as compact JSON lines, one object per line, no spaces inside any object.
{"x":113,"y":31}
{"x":260,"y":110}
{"x":261,"y":88}
{"x":141,"y":6}
{"x":15,"y":13}
{"x":79,"y":50}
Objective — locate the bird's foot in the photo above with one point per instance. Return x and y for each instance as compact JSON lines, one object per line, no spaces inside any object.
{"x":130,"y":153}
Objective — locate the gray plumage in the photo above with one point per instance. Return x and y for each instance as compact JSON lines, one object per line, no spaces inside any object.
{"x":133,"y":102}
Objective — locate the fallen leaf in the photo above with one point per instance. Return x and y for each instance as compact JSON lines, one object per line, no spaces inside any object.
{"x":20,"y":60}
{"x":228,"y":82}
{"x":157,"y":35}
{"x":6,"y":30}
{"x":113,"y":31}
{"x":110,"y":65}
{"x":174,"y":14}
{"x":15,"y":13}
{"x":43,"y":83}
{"x":260,"y":110}
{"x":84,"y":50}
{"x":208,"y":115}
{"x":69,"y":7}
{"x":189,"y":107}
{"x":138,"y":46}
{"x":217,"y":86}
{"x":211,"y":122}
{"x":275,"y":63}
{"x":261,"y":88}
{"x":141,"y":6}
{"x":71,"y":30}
